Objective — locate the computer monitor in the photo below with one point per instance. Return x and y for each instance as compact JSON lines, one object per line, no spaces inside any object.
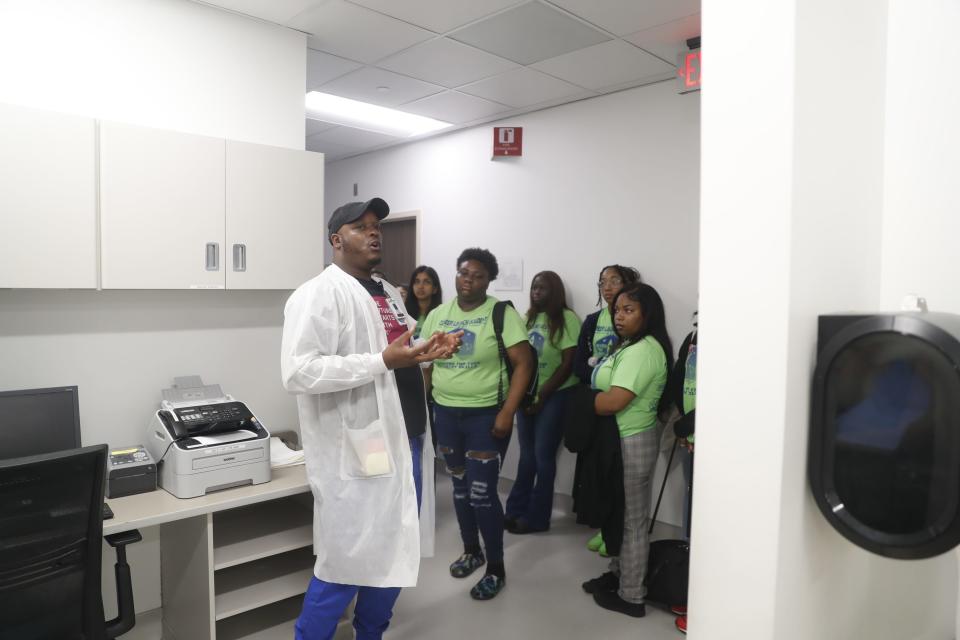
{"x":35,"y":421}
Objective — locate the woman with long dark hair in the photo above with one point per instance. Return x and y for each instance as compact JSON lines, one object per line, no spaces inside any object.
{"x":424,"y":295}
{"x":553,"y":330}
{"x":597,"y":338}
{"x":631,"y":382}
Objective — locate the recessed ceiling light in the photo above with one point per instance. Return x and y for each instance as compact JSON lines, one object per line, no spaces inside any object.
{"x":371,"y":117}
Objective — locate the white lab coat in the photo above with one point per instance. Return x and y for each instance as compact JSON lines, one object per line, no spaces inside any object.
{"x":365,"y":529}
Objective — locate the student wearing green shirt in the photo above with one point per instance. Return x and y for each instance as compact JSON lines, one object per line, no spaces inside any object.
{"x":425,"y":295}
{"x":552,"y":329}
{"x":597,"y":338}
{"x":631,"y":382}
{"x":473,"y":421}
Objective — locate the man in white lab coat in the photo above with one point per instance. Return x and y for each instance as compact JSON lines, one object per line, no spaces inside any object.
{"x":346,"y":352}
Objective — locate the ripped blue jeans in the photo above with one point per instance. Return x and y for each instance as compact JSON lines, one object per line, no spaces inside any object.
{"x":473,"y":457}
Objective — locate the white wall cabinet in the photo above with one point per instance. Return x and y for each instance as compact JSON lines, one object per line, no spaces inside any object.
{"x":180,"y":211}
{"x":275,"y":226}
{"x":48,"y":206}
{"x":161,"y":209}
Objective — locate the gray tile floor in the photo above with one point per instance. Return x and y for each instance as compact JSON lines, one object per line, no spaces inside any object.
{"x":542,"y":599}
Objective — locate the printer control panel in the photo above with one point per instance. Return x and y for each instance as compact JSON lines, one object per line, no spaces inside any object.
{"x":210,"y":419}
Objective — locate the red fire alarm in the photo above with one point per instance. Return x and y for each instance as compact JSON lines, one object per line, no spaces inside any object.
{"x":507,"y":141}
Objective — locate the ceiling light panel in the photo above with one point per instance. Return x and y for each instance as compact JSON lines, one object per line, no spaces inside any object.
{"x":369,"y":117}
{"x":606,"y":65}
{"x":523,"y":87}
{"x":667,"y":40}
{"x":354,"y":32}
{"x":379,"y":86}
{"x":530,"y":33}
{"x":447,"y":63}
{"x":628,"y":16}
{"x":323,"y":67}
{"x":439,"y":16}
{"x":455,"y":107}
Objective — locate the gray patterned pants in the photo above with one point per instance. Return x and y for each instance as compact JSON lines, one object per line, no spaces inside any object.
{"x":639,"y":457}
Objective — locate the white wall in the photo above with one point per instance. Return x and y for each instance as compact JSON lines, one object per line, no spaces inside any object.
{"x":612,"y":179}
{"x":792,"y":212}
{"x":169,"y":64}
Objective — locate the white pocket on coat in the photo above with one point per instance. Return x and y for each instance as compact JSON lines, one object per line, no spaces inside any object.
{"x":366,"y":453}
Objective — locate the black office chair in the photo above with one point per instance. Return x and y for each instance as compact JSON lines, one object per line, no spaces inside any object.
{"x":51,"y":528}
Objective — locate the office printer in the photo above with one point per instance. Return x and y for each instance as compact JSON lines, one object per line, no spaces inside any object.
{"x":204,"y":440}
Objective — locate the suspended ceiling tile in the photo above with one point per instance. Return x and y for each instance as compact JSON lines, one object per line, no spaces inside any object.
{"x":628,"y":16}
{"x":314,"y":127}
{"x":379,"y":86}
{"x":439,"y":16}
{"x":530,"y":33}
{"x":354,"y":139}
{"x":323,"y":67}
{"x":277,"y":11}
{"x":454,"y":107}
{"x":668,"y":40}
{"x":522,"y":88}
{"x":354,"y":32}
{"x":604,"y":65}
{"x":446,"y":62}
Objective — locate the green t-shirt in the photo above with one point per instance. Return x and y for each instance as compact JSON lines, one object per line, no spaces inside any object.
{"x":642,"y":369}
{"x":550,"y":352}
{"x":470,"y":378}
{"x":604,"y":338}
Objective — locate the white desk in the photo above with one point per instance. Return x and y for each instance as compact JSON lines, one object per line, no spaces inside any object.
{"x":233,"y":563}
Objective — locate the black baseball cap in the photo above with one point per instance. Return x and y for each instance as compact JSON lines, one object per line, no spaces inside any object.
{"x":353,"y":210}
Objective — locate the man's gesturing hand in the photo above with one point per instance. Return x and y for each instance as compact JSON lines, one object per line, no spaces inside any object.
{"x":400,"y":354}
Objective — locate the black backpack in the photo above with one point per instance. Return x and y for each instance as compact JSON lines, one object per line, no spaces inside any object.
{"x":668,"y":564}
{"x":499,"y":309}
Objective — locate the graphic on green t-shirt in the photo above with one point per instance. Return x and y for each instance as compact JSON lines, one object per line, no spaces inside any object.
{"x":690,"y":382}
{"x":550,"y":352}
{"x":470,"y":378}
{"x":642,"y":369}
{"x":604,"y":337}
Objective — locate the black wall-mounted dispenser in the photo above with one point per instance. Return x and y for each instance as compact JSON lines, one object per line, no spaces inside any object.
{"x":884,"y":454}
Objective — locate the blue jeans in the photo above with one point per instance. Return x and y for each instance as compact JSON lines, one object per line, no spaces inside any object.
{"x":416,"y":452}
{"x":473,"y":457}
{"x":531,"y":499}
{"x":325,"y":602}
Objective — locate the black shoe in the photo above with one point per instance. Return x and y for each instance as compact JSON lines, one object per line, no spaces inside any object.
{"x":611,"y":600}
{"x":509,"y":524}
{"x":521,"y":527}
{"x":606,"y":582}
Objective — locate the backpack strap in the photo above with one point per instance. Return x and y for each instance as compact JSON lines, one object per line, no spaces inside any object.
{"x":499,"y":310}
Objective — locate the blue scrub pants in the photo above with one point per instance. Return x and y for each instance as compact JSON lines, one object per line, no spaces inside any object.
{"x":325,"y":602}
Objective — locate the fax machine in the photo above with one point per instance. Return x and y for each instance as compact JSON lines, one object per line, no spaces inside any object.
{"x":204,"y":440}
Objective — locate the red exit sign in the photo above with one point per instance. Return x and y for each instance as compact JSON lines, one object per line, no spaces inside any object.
{"x":688,"y":71}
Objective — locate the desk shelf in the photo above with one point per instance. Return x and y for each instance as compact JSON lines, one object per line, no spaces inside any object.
{"x":274,"y":622}
{"x":251,"y":533}
{"x":262,"y":582}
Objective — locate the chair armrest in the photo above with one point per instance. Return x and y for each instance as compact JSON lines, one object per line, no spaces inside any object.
{"x":126,"y":616}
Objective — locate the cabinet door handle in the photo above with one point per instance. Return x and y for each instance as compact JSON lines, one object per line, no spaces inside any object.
{"x":213,"y":256}
{"x":239,"y":257}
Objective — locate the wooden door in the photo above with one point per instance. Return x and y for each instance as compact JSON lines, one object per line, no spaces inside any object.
{"x":399,"y":249}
